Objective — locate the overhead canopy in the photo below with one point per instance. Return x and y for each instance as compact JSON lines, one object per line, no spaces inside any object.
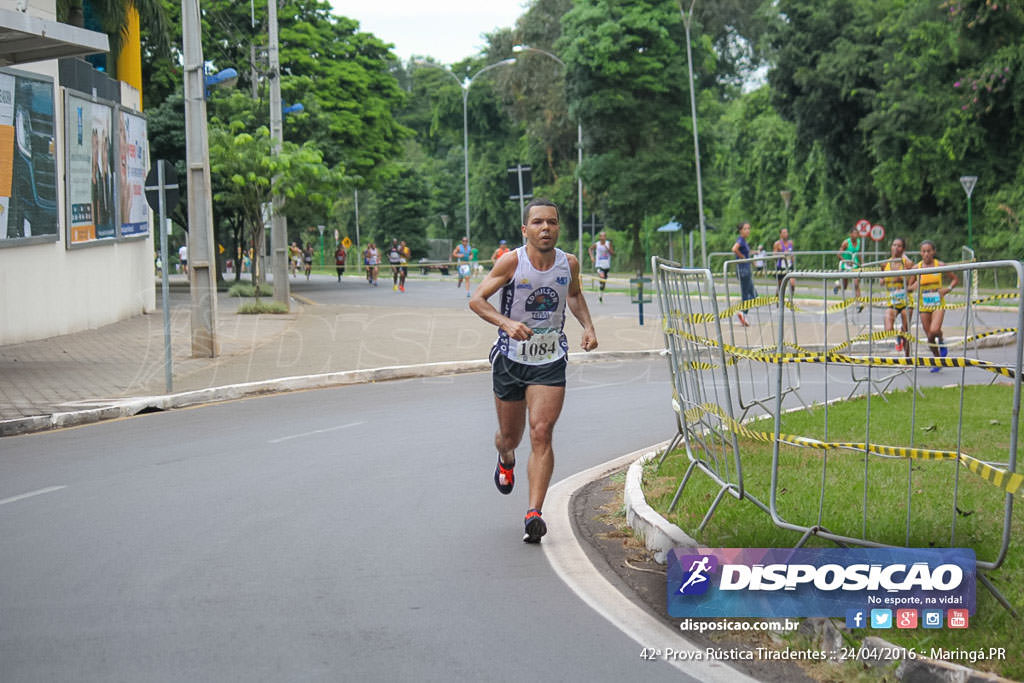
{"x":24,"y":38}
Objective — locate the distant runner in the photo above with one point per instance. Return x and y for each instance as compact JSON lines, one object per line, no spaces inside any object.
{"x":899,"y":303}
{"x":601,"y":253}
{"x":463,"y":254}
{"x":850,"y":256}
{"x":784,"y":263}
{"x":933,"y":297}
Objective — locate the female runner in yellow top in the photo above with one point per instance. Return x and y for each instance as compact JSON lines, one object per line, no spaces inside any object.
{"x":899,"y":302}
{"x":933,"y":295}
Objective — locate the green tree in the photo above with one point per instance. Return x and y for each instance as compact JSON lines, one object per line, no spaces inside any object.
{"x":627,"y":81}
{"x":242,"y":168}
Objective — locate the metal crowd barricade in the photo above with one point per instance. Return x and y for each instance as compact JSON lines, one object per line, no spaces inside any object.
{"x":878,"y":484}
{"x":804,"y":260}
{"x":874,"y":296}
{"x":754,"y":387}
{"x":698,"y":369}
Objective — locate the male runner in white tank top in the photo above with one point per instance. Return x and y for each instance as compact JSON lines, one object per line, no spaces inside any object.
{"x":601,"y":253}
{"x":528,"y":360}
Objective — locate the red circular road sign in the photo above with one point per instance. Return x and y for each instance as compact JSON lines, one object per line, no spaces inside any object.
{"x":863,"y":227}
{"x":877,"y":233}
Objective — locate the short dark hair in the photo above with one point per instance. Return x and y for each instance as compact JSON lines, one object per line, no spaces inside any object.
{"x":739,"y":226}
{"x":539,"y":201}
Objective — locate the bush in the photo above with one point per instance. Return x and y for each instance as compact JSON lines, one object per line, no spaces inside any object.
{"x":257,"y":307}
{"x":246,"y":290}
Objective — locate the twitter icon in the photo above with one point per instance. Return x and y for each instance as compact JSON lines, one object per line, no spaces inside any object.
{"x":881,"y":618}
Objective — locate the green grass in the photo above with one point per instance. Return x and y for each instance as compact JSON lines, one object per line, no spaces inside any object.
{"x":978,"y":520}
{"x":258,"y":306}
{"x":247,"y":290}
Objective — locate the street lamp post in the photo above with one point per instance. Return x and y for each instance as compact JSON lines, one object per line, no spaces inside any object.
{"x":278,"y":223}
{"x":579,"y":154}
{"x":465,"y":85}
{"x":787,"y":197}
{"x":202,"y":274}
{"x":687,"y":19}
{"x":968,"y":182}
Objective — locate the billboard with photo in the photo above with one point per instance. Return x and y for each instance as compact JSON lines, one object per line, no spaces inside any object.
{"x":90,"y":170}
{"x":133,"y":163}
{"x":28,"y":169}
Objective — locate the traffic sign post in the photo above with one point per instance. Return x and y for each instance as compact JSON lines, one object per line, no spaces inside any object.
{"x":877,"y":234}
{"x":162,"y":195}
{"x":321,"y":228}
{"x":968,"y":182}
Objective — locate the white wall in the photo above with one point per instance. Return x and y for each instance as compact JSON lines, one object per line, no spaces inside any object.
{"x":47,"y":289}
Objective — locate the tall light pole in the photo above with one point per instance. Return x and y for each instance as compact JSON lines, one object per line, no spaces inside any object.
{"x":202,"y":276}
{"x":278,"y":223}
{"x":787,"y":197}
{"x":687,"y":19}
{"x":579,"y":154}
{"x":465,"y":85}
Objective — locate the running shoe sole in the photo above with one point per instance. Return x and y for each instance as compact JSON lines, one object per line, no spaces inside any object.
{"x":535,"y":529}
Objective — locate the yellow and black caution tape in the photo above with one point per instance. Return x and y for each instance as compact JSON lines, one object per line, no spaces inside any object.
{"x":1009,"y":482}
{"x":982,"y":335}
{"x":922,"y":362}
{"x":698,"y":318}
{"x":963,"y":304}
{"x":846,"y":303}
{"x":757,"y":302}
{"x":873,"y":336}
{"x":834,"y":357}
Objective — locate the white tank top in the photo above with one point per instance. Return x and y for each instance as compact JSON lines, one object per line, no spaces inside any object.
{"x":537,"y":299}
{"x":602,"y":255}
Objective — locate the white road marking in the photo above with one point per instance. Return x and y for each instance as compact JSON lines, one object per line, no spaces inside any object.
{"x":572,"y":565}
{"x":30,"y":494}
{"x":317,"y":431}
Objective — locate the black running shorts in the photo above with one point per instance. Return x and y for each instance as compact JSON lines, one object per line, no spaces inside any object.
{"x":510,"y":378}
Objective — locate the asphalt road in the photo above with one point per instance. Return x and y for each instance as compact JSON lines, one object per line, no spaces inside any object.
{"x":350,"y":534}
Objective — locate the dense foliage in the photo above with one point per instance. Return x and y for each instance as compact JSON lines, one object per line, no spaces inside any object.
{"x":859,"y":108}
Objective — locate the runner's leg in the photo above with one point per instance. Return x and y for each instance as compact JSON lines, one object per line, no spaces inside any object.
{"x":511,"y":423}
{"x":544,"y":404}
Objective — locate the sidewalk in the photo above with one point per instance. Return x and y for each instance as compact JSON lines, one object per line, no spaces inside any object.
{"x":125,"y":360}
{"x":77,"y":376}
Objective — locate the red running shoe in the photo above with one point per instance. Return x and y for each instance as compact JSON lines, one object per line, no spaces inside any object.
{"x":535,"y":526}
{"x":504,"y":477}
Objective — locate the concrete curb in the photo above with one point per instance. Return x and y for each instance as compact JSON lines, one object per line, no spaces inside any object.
{"x":658,"y":533}
{"x":118,"y":408}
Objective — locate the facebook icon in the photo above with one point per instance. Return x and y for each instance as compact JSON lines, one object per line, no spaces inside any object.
{"x":856,"y":618}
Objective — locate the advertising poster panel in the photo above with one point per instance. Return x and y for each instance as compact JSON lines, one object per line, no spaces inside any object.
{"x":133,"y":163}
{"x":28,"y":172}
{"x":90,"y":177}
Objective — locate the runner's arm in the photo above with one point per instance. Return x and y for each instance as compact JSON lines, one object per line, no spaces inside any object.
{"x":578,"y":305}
{"x":953,"y":282}
{"x":736,"y":250}
{"x":911,"y":282}
{"x":498,"y":277}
